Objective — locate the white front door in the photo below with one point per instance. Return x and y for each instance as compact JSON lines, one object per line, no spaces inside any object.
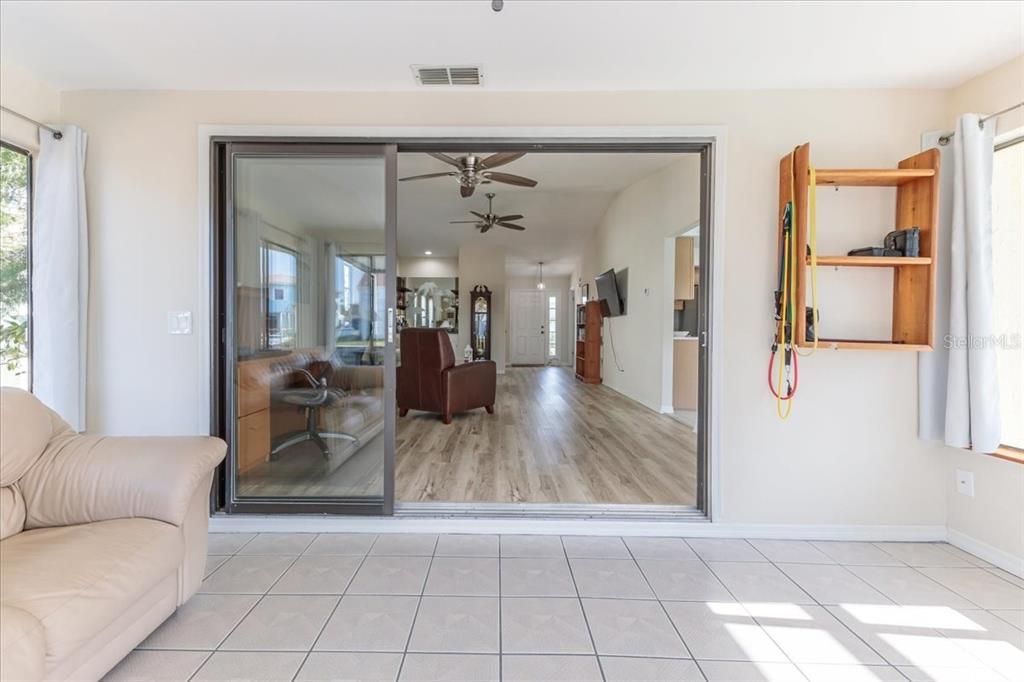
{"x":529,"y":327}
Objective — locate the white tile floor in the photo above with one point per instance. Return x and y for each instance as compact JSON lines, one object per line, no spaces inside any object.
{"x":542,"y":608}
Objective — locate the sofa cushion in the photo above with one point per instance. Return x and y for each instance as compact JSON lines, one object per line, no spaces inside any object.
{"x":27,"y":426}
{"x":76,"y":580}
{"x":22,"y":645}
{"x":12,"y":511}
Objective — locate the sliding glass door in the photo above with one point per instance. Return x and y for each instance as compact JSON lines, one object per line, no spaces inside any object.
{"x":308,"y":267}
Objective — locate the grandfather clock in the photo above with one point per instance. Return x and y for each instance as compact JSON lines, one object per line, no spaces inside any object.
{"x":480,"y":322}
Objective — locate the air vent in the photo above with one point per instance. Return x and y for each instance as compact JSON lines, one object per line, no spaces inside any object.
{"x":448,"y":75}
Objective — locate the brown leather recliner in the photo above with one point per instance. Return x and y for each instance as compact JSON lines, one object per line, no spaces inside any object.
{"x":429,"y":379}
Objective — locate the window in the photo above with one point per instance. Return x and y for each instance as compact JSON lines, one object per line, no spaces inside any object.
{"x":1008,"y":277}
{"x":552,"y":326}
{"x":360,"y":300}
{"x":15,"y":266}
{"x":280,"y":277}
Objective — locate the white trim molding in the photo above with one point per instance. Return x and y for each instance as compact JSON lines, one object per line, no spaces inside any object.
{"x":716,"y":135}
{"x":251,"y":523}
{"x":995,"y":556}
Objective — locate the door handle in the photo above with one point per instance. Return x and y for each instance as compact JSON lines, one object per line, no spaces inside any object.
{"x":391,"y":326}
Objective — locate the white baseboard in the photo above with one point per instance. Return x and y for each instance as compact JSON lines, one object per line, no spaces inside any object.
{"x":667,"y":409}
{"x":995,"y":556}
{"x":249,"y":523}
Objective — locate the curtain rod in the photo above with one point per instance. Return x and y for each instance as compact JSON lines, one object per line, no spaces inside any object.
{"x":944,"y":140}
{"x":56,"y":133}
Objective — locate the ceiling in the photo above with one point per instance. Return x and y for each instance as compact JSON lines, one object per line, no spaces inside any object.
{"x":529,"y":46}
{"x":346,"y":196}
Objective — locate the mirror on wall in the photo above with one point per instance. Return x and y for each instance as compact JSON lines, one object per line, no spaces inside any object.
{"x":432,"y":302}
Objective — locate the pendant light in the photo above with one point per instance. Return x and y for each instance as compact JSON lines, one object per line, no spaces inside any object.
{"x":540,"y":276}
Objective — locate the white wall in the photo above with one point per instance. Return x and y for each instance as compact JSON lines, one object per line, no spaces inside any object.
{"x":22,"y":92}
{"x":994,"y":517}
{"x":482,"y":264}
{"x":632,"y":235}
{"x":427,"y":266}
{"x":848,"y":455}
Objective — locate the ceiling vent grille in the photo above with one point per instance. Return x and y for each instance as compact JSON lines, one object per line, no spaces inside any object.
{"x":448,"y":75}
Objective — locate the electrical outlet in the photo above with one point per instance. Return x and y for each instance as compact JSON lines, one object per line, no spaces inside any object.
{"x":965,"y":482}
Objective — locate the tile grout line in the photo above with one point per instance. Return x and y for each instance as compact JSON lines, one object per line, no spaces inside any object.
{"x":744,"y":608}
{"x":842,"y":624}
{"x":416,"y":613}
{"x":659,"y":602}
{"x":579,"y":599}
{"x":334,"y":610}
{"x":258,"y":601}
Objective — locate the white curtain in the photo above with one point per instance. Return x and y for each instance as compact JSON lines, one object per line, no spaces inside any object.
{"x":958,"y":383}
{"x":60,"y":275}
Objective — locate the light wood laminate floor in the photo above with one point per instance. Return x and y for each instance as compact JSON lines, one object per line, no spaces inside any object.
{"x":552,"y":439}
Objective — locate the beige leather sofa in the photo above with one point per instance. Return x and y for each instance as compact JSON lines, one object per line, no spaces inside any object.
{"x":101,"y":539}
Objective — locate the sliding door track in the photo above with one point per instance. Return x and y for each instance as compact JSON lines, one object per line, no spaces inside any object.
{"x":528,"y":510}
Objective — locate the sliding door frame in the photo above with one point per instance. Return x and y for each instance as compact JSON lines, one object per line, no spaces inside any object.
{"x":224,"y":361}
{"x":707,"y":141}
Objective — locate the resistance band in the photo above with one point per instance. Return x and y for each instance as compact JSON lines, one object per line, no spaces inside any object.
{"x":784,"y":385}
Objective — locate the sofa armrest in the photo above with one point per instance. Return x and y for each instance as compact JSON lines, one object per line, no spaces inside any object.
{"x":81,"y":479}
{"x":470,"y":385}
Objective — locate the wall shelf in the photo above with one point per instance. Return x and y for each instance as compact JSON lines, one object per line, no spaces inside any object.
{"x":916,"y":180}
{"x":588,"y":342}
{"x":870,"y":261}
{"x":884,"y":177}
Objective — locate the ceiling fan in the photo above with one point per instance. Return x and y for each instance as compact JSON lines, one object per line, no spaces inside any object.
{"x":485,"y":221}
{"x":473,"y":171}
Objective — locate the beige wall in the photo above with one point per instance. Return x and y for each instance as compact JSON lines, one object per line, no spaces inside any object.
{"x":848,"y":455}
{"x":995,"y":515}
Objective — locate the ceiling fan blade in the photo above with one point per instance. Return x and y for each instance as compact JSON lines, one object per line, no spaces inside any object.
{"x":484,"y":228}
{"x":510,"y":218}
{"x":511,"y":226}
{"x":428,"y":175}
{"x":510,"y":179}
{"x":466,"y":191}
{"x":500,"y":159}
{"x":481,"y":216}
{"x":447,"y":159}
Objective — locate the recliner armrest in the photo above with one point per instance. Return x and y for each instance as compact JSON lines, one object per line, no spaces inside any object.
{"x":82,"y":479}
{"x":470,"y":385}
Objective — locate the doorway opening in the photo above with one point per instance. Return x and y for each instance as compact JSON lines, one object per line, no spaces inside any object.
{"x":428,"y":359}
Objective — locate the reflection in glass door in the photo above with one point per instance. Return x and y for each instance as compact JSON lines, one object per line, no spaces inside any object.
{"x":309,"y":363}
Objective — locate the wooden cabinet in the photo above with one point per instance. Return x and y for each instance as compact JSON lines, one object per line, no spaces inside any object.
{"x":684,"y":373}
{"x":685,"y":274}
{"x":253,"y":440}
{"x":253,"y":429}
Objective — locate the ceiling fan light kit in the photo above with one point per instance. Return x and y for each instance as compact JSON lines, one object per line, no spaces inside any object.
{"x":473,"y":170}
{"x":485,"y":221}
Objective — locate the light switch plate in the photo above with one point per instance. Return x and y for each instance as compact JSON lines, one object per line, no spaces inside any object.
{"x":179,"y":322}
{"x":965,"y":482}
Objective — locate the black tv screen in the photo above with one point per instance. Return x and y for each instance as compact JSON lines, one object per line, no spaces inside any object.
{"x":608,"y":294}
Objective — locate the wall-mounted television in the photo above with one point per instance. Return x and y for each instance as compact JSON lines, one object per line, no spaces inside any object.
{"x":611,"y":292}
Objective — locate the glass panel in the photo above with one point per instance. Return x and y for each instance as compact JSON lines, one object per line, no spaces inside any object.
{"x":552,"y":326}
{"x":1008,"y":275}
{"x":15,"y":176}
{"x":310,"y":305}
